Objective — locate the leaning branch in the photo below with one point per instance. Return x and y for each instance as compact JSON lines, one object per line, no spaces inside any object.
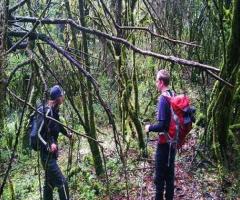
{"x":95,"y":85}
{"x":129,"y":45}
{"x":21,"y":3}
{"x":44,"y":38}
{"x":220,"y":79}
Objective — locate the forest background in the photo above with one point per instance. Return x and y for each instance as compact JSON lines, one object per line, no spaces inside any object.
{"x":105,"y":55}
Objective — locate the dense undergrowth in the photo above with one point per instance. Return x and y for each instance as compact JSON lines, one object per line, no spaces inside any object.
{"x":197,"y":175}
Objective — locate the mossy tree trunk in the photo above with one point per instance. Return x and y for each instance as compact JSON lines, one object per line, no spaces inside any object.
{"x":120,"y":70}
{"x":126,"y":83}
{"x":3,"y":14}
{"x":92,"y":126}
{"x":134,"y":111}
{"x":221,"y":106}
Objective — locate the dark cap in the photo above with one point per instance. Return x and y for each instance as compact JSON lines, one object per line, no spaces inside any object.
{"x":55,"y":92}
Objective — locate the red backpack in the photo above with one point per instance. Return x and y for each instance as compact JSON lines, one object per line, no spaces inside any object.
{"x":182,"y":117}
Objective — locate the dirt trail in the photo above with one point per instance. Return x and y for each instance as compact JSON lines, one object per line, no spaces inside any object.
{"x":193,"y":179}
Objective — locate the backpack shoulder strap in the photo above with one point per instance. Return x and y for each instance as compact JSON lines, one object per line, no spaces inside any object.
{"x":48,"y":110}
{"x":168,"y":94}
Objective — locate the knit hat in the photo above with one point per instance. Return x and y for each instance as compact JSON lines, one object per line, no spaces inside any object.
{"x":55,"y":92}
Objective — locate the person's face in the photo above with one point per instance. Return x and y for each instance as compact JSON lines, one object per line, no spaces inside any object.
{"x":159,"y":84}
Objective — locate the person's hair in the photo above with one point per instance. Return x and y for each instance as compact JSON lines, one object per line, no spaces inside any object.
{"x":164,"y":76}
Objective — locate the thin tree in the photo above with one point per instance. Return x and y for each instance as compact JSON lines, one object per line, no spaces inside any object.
{"x":3,"y":29}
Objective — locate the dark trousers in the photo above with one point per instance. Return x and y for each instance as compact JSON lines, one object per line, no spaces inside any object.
{"x":53,"y":178}
{"x":164,"y":171}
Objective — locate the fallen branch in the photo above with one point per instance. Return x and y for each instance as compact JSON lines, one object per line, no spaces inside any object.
{"x":129,"y":45}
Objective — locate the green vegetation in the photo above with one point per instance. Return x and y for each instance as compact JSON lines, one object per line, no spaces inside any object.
{"x":105,"y":57}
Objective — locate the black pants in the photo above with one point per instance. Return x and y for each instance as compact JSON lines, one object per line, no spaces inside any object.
{"x":164,"y":174}
{"x":53,"y":178}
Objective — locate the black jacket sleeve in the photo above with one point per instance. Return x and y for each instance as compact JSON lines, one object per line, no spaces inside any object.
{"x":158,"y":127}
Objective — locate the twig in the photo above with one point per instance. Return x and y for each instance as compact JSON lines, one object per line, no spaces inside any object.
{"x":139,"y":169}
{"x":106,"y":174}
{"x":160,"y":36}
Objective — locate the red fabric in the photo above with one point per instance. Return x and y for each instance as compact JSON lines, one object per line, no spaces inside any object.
{"x":178,"y":104}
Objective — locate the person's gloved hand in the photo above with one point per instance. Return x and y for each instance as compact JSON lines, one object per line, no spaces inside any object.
{"x":53,"y":148}
{"x":147,"y":128}
{"x":70,"y":135}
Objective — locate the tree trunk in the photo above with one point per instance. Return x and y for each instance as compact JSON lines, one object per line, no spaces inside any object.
{"x":92,"y":127}
{"x":221,"y":106}
{"x":135,"y":111}
{"x":3,"y":32}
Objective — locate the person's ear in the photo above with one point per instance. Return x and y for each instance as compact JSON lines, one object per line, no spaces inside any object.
{"x":160,"y":82}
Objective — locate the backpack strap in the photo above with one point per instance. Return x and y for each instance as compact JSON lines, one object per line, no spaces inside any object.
{"x":41,"y":126}
{"x":168,"y":94}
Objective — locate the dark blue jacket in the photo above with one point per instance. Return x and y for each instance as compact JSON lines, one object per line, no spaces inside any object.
{"x":51,"y":129}
{"x":163,"y":114}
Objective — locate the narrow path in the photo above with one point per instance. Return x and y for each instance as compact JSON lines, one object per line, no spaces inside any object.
{"x":193,"y":179}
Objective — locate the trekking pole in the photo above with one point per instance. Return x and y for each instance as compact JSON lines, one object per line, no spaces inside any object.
{"x":144,"y":164}
{"x":147,"y":140}
{"x":39,"y":176}
{"x":70,"y":151}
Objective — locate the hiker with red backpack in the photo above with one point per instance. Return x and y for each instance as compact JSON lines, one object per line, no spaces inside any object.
{"x":174,"y":116}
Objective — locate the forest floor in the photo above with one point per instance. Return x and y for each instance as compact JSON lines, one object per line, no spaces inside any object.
{"x":196,"y":176}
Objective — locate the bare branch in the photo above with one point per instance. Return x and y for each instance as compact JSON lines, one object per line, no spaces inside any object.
{"x":220,"y":79}
{"x":146,"y":29}
{"x":160,"y":36}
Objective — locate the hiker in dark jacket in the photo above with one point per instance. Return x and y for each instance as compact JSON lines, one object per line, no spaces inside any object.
{"x":49,"y":147}
{"x":165,"y":154}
